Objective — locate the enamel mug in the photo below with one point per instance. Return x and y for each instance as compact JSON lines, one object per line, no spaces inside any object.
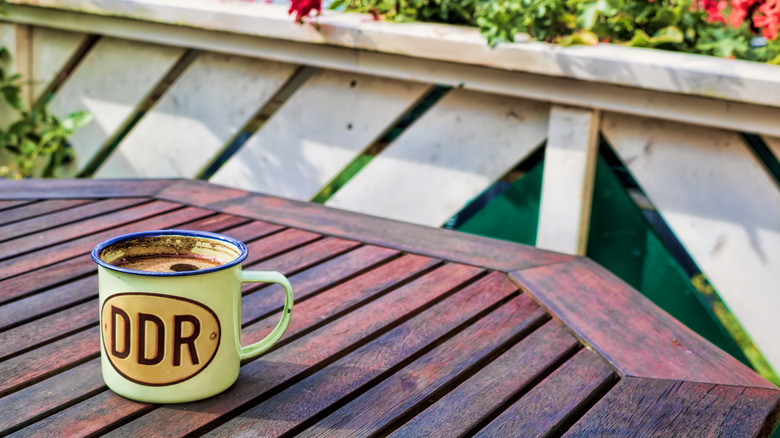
{"x":171,"y":337}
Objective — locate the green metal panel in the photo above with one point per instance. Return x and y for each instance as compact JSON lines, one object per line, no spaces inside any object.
{"x":620,"y":239}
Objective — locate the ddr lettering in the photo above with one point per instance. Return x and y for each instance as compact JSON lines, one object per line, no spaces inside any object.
{"x":155,"y":339}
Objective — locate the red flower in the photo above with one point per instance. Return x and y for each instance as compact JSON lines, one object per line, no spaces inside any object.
{"x":740,"y":10}
{"x":770,"y":21}
{"x":713,"y":8}
{"x":302,"y":8}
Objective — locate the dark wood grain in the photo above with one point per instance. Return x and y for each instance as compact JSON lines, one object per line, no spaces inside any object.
{"x":62,"y":272}
{"x":433,"y":242}
{"x":216,"y":223}
{"x":471,"y":402}
{"x":57,"y":298}
{"x":359,"y":289}
{"x":28,"y":368}
{"x":81,"y":188}
{"x":44,"y":329}
{"x":78,"y":420}
{"x":320,"y":309}
{"x":60,"y":218}
{"x":294,"y":261}
{"x":83,"y":245}
{"x":298,"y":404}
{"x":63,"y":233}
{"x":254,"y":230}
{"x":410,"y":387}
{"x":313,"y":280}
{"x":39,"y":208}
{"x":280,"y":367}
{"x":562,"y":397}
{"x":276,"y":244}
{"x":667,"y":408}
{"x":52,"y":300}
{"x":46,"y":277}
{"x":49,"y":396}
{"x":7,"y":205}
{"x":637,"y":337}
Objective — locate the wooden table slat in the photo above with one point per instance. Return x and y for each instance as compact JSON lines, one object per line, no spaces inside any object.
{"x":285,"y":365}
{"x":663,"y":408}
{"x":398,"y":329}
{"x":315,"y":279}
{"x":432,"y":242}
{"x":115,"y":408}
{"x":80,"y":420}
{"x":78,"y":266}
{"x":45,"y":398}
{"x":296,"y":406}
{"x":380,"y":407}
{"x":55,"y":299}
{"x":28,"y":368}
{"x":58,"y":219}
{"x":512,"y":373}
{"x":82,"y":188}
{"x":549,"y":406}
{"x":7,"y":205}
{"x":637,"y":337}
{"x":39,"y":208}
{"x":43,"y":330}
{"x":254,"y":230}
{"x":83,"y":245}
{"x":64,"y":233}
{"x":217,"y":223}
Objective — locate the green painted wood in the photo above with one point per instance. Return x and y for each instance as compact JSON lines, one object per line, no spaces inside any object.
{"x":620,"y":239}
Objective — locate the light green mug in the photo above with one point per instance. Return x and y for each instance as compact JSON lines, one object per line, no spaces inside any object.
{"x":175,"y":335}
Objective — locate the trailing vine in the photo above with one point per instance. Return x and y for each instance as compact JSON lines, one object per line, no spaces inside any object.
{"x":33,"y":142}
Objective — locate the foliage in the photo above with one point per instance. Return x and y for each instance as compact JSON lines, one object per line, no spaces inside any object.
{"x":35,"y":142}
{"x":680,"y":25}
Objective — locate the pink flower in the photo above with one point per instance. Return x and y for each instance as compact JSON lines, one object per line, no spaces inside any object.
{"x":713,"y":9}
{"x":302,"y":8}
{"x":770,"y":21}
{"x":740,"y":10}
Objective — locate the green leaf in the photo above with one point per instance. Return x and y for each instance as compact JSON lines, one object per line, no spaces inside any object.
{"x":76,"y":120}
{"x":582,"y":38}
{"x":28,"y":148}
{"x":12,"y":95}
{"x":669,"y":34}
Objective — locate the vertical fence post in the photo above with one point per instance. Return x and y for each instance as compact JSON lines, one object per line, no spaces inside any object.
{"x":567,"y":184}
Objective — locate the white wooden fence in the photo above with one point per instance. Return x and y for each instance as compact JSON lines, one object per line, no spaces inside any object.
{"x":173,"y":84}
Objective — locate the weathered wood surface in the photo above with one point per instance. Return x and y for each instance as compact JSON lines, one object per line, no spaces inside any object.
{"x":567,"y":184}
{"x":197,"y":116}
{"x":111,"y":81}
{"x":441,"y":243}
{"x":351,"y":112}
{"x":722,"y":205}
{"x":599,"y":306}
{"x":458,"y":45}
{"x":384,"y":338}
{"x":426,"y":178}
{"x":662,"y":408}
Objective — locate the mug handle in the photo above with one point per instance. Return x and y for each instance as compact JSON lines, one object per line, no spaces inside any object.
{"x":264,"y":344}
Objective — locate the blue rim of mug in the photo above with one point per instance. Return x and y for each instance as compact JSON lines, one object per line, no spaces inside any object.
{"x":156,"y":233}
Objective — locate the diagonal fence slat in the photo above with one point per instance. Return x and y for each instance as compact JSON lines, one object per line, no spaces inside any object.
{"x":722,"y":205}
{"x":206,"y":107}
{"x":467,"y":141}
{"x":51,"y":51}
{"x":317,"y":132}
{"x":110,"y":82}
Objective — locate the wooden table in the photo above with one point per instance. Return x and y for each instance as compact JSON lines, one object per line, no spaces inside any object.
{"x":397,"y":330}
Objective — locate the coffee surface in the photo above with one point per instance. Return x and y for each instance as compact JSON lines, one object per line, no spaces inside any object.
{"x":166,"y":263}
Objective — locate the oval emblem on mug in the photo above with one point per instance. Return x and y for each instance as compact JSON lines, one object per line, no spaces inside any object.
{"x":158,"y":340}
